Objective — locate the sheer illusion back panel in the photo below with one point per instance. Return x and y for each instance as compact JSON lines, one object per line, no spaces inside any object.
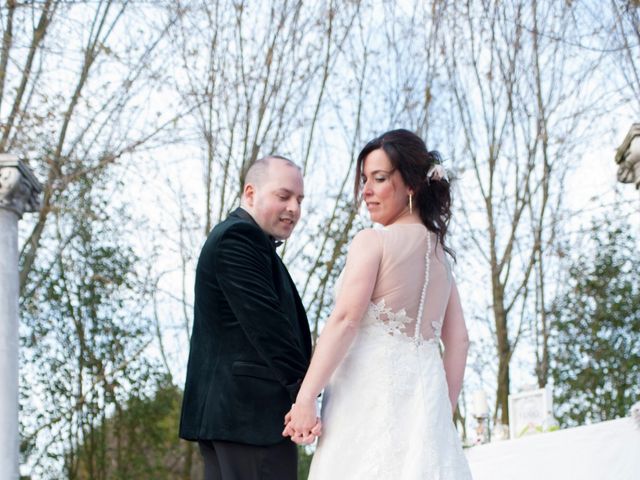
{"x":401,"y":278}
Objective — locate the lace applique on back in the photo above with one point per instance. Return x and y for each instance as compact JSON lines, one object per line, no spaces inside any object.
{"x":396,"y":323}
{"x":393,"y":323}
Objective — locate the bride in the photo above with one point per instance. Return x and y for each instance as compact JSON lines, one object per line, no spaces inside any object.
{"x":389,"y":389}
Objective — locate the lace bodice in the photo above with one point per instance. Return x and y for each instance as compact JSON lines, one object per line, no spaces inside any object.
{"x":413,"y":284}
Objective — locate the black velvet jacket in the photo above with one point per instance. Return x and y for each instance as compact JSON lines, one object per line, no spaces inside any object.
{"x":250,"y":345}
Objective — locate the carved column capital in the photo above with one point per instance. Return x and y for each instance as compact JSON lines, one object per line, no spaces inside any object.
{"x":19,"y":188}
{"x":628,"y":157}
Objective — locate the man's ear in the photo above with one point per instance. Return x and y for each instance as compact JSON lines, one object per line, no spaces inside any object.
{"x":249,"y":194}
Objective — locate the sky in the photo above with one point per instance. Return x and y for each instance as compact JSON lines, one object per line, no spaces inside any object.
{"x":156,"y":179}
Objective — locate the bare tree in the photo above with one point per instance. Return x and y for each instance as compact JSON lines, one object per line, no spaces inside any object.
{"x":69,"y":118}
{"x":513,"y":99}
{"x":89,"y":87}
{"x":625,"y":40}
{"x":256,"y":77}
{"x":77,"y":84}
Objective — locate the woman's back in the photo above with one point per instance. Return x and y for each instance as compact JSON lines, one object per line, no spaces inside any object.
{"x":387,"y":403}
{"x":405,"y":270}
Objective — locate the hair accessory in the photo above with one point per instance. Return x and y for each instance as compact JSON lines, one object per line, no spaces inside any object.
{"x":437,"y":172}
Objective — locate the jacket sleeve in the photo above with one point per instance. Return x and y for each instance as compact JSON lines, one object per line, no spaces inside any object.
{"x":244,"y":271}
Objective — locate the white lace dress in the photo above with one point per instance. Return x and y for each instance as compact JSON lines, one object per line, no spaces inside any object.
{"x":386,"y":412}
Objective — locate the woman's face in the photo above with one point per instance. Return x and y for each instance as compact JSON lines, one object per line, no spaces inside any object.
{"x":383,"y":189}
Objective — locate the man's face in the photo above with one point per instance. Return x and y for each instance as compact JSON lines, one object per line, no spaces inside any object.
{"x":275,"y":202}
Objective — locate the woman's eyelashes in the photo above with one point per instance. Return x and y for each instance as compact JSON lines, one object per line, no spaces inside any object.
{"x":377,"y":179}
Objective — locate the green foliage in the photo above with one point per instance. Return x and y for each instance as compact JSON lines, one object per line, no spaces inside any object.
{"x":596,"y":344}
{"x":304,"y":462}
{"x":537,"y":429}
{"x":83,"y":334}
{"x":142,"y":440}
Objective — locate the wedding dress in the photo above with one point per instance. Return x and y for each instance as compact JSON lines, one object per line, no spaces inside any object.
{"x":386,"y":412}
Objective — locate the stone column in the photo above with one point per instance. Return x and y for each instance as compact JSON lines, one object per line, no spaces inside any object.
{"x":628,"y":157}
{"x":19,"y":193}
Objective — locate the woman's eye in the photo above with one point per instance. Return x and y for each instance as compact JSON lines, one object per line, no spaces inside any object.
{"x":380,"y":179}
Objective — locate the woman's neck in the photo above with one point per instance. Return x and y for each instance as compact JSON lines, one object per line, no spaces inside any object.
{"x":405,"y":217}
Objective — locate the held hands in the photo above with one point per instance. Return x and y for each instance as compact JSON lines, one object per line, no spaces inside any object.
{"x":302,"y":423}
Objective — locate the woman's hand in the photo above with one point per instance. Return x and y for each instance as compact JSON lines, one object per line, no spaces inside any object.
{"x":302,"y":423}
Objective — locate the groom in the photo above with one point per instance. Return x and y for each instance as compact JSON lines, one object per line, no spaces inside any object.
{"x":250,"y":345}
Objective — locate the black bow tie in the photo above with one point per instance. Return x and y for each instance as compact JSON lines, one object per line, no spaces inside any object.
{"x":275,"y":243}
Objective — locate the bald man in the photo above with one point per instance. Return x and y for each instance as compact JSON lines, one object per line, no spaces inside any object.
{"x":250,"y":344}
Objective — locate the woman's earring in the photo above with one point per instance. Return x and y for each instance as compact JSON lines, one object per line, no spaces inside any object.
{"x":410,"y":203}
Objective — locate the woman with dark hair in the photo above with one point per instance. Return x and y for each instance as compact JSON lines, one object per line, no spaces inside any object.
{"x":390,"y":390}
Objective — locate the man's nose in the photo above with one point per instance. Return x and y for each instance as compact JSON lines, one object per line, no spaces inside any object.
{"x":293,"y":206}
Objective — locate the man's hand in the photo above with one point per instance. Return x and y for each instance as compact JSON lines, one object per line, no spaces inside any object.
{"x":315,"y":432}
{"x":302,"y":423}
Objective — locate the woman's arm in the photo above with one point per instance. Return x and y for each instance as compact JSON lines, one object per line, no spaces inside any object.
{"x":456,"y":344}
{"x":361,"y":270}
